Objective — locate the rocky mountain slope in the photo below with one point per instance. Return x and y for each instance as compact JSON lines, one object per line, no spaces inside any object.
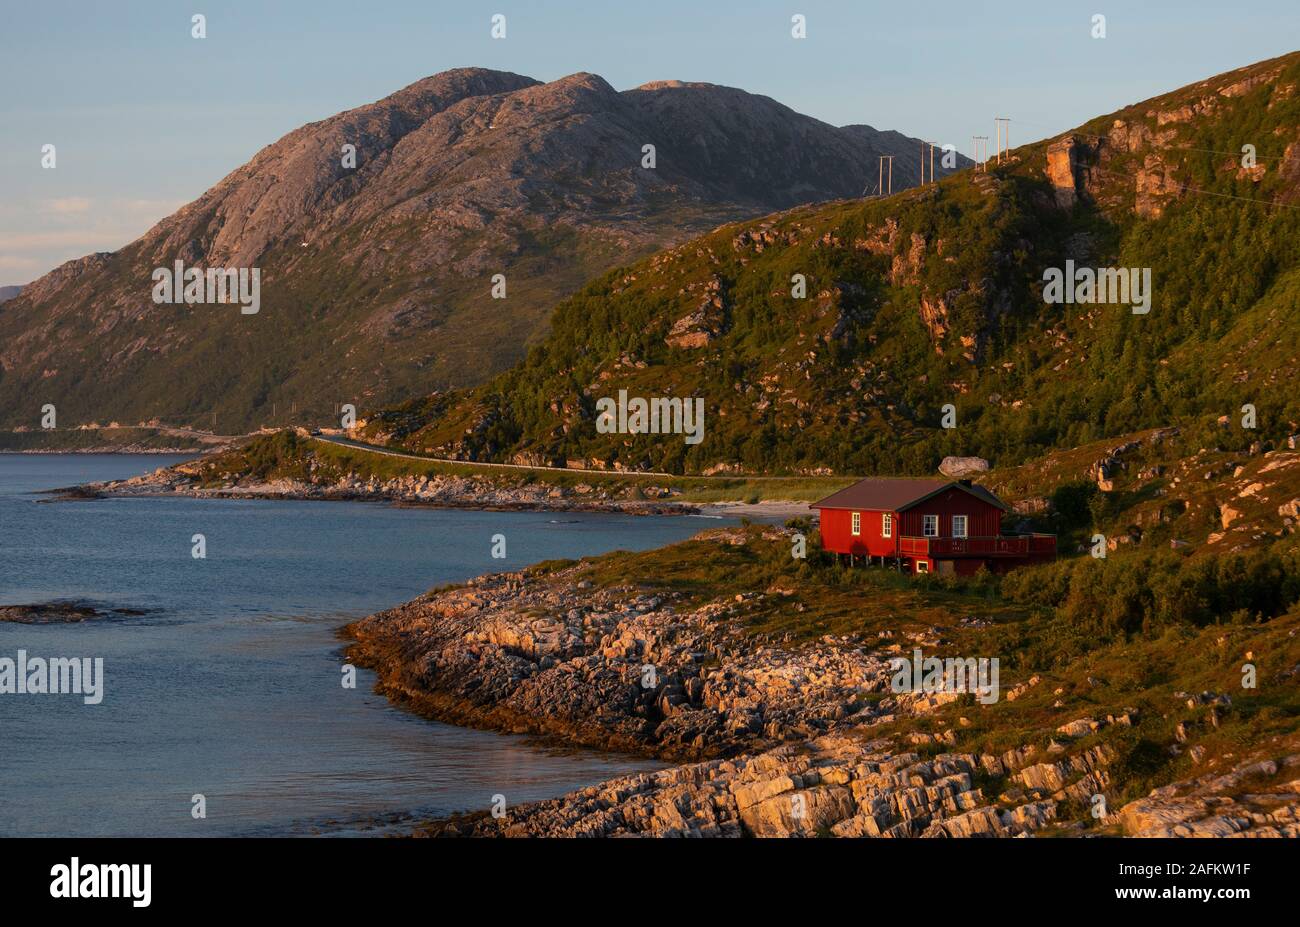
{"x":936,"y":298}
{"x":377,"y":278}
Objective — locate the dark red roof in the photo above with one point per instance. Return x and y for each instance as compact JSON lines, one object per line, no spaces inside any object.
{"x":891,"y":495}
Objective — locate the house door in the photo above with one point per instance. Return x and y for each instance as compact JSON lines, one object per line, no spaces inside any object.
{"x":945,"y":568}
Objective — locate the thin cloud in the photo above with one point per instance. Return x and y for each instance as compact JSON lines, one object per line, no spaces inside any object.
{"x":58,"y":230}
{"x":32,"y":241}
{"x":159,"y":208}
{"x":69,"y":204}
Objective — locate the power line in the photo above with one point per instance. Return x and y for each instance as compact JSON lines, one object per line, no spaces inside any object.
{"x":1196,"y":190}
{"x":1233,"y":154}
{"x":1227,"y":196}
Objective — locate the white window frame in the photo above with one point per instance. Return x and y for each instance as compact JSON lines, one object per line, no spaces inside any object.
{"x":965,"y":526}
{"x":887,"y":525}
{"x":857,"y":524}
{"x":930,"y":526}
{"x":923,"y":566}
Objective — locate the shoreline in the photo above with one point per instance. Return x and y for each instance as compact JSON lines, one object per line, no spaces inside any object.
{"x":479,"y":654}
{"x":721,"y":510}
{"x":613,"y":507}
{"x":773,"y":511}
{"x":289,"y":465}
{"x":109,"y":451}
{"x":747,"y":724}
{"x":772,"y":735}
{"x":443,"y":492}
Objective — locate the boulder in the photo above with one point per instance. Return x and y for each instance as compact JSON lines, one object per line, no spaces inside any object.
{"x":959,"y":467}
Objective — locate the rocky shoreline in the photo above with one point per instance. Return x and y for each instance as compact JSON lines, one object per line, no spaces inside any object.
{"x":127,"y":450}
{"x":777,"y":740}
{"x":610,"y":668}
{"x":845,"y":786}
{"x":443,"y":491}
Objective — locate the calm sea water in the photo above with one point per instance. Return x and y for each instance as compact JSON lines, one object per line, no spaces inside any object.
{"x":229,"y":685}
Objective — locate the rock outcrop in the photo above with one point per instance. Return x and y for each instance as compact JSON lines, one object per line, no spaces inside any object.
{"x":1256,"y":798}
{"x":1066,"y":168}
{"x":834,"y":785}
{"x":960,"y":467}
{"x":610,"y":668}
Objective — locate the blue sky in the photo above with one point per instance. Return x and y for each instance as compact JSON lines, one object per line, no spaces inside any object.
{"x":146,"y":118}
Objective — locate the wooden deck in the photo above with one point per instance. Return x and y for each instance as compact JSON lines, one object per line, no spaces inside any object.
{"x":1017,"y":545}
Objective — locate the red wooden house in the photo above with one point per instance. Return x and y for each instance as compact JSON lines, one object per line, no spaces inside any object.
{"x":925,"y":526}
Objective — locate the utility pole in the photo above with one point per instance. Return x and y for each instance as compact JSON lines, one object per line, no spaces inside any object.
{"x":1002,"y":122}
{"x":982,"y":161}
{"x":931,"y":164}
{"x":886,"y":176}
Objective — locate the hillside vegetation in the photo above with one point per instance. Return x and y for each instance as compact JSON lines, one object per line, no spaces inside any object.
{"x":935,"y":297}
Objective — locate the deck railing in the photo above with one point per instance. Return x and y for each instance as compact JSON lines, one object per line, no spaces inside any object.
{"x":1015,"y":545}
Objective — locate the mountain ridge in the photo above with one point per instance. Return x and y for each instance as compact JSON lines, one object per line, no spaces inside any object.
{"x":377,"y":280}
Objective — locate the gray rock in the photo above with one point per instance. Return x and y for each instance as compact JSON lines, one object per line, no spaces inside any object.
{"x":960,"y":467}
